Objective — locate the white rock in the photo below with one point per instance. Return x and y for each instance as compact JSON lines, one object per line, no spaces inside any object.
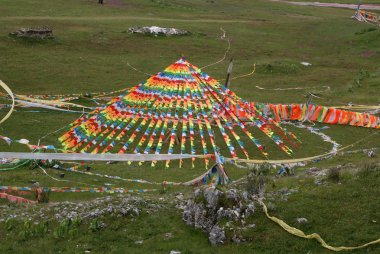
{"x":306,"y":64}
{"x":302,"y":220}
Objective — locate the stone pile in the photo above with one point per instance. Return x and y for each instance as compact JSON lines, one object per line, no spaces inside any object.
{"x":35,"y":33}
{"x":222,"y":215}
{"x":118,"y":205}
{"x":156,"y":30}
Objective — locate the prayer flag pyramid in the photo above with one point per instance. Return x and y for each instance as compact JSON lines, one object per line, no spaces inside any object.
{"x":179,"y":110}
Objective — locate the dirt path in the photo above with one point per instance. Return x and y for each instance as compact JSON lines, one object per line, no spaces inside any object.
{"x":128,"y":18}
{"x":335,"y":5}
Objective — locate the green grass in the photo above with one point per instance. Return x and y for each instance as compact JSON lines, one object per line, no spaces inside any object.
{"x":90,"y":53}
{"x":321,"y":205}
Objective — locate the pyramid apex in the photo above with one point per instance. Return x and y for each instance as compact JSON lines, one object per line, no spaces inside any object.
{"x":182,"y":59}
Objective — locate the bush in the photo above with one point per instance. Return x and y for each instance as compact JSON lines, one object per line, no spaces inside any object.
{"x":361,"y":76}
{"x":62,"y":229}
{"x":41,"y":228}
{"x":95,"y":225}
{"x":334,"y":175}
{"x":225,"y":202}
{"x":67,"y":227}
{"x":200,"y":199}
{"x":257,"y":179}
{"x":9,"y":225}
{"x":26,"y":232}
{"x":284,"y":67}
{"x":368,"y":167}
{"x":367,"y":30}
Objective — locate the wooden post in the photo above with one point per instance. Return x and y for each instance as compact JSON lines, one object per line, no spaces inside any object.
{"x":229,"y":71}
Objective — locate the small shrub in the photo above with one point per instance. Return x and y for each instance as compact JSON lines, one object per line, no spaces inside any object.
{"x":27,"y":224}
{"x":24,"y":235}
{"x":95,"y":225}
{"x":370,"y":166}
{"x":40,"y":229}
{"x":77,"y":222}
{"x":285,"y":67}
{"x":257,"y":179}
{"x":9,"y":224}
{"x":366,"y":30}
{"x":62,"y":229}
{"x":269,"y":68}
{"x":26,"y":232}
{"x":73,"y":232}
{"x":367,"y":168}
{"x":334,"y":175}
{"x":223,"y":201}
{"x":59,"y":232}
{"x":200,"y":199}
{"x":68,"y":227}
{"x":362,"y":75}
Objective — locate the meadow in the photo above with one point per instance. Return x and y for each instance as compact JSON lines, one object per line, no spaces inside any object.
{"x":90,"y":52}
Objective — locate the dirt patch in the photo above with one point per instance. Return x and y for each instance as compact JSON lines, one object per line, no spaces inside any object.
{"x":115,"y":3}
{"x":368,"y":53}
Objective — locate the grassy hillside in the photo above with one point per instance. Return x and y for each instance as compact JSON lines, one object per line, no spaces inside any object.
{"x":91,"y":51}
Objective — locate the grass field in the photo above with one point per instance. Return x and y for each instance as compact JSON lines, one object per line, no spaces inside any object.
{"x":90,"y":53}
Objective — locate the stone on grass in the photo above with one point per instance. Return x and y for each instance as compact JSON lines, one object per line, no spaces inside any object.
{"x":302,"y":220}
{"x":250,"y":210}
{"x":251,"y":226}
{"x":156,"y":30}
{"x":217,"y":236}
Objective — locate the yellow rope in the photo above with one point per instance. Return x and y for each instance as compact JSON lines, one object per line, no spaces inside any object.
{"x":358,"y":107}
{"x":9,"y":91}
{"x":246,"y":75}
{"x":223,"y":37}
{"x":242,"y":76}
{"x":299,"y":233}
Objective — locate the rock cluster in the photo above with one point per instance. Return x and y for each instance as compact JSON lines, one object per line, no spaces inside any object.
{"x":222,"y":215}
{"x":156,"y":30}
{"x":120,"y":206}
{"x":35,"y":33}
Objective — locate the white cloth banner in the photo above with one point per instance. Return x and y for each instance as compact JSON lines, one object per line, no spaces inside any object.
{"x":96,"y":157}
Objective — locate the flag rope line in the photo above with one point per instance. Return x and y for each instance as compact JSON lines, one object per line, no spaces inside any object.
{"x":299,"y":233}
{"x":9,"y":91}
